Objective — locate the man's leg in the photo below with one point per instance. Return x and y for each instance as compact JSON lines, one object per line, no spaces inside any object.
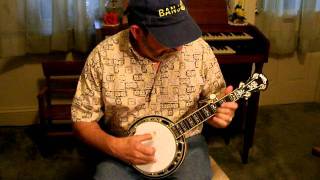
{"x":113,"y":169}
{"x":196,"y":165}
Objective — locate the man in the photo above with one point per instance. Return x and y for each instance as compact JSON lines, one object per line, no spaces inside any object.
{"x":159,"y":66}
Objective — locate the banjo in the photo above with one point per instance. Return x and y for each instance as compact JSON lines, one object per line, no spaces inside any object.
{"x":168,"y":137}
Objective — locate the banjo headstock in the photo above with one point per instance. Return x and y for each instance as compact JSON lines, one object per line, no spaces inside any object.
{"x":257,"y":82}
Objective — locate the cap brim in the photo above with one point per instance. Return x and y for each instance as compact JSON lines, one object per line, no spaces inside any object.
{"x":177,"y":34}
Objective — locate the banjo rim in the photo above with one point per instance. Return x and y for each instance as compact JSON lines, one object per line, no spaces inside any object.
{"x":180,"y":151}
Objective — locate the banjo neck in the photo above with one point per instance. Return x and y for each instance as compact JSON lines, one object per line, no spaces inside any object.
{"x":202,"y":114}
{"x":255,"y":83}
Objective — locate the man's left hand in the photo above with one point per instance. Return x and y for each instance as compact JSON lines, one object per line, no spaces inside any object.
{"x":225,"y":112}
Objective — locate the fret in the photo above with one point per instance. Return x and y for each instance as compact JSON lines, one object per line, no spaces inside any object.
{"x":190,"y":121}
{"x":187,"y":124}
{"x":200,"y":115}
{"x":233,"y":96}
{"x":183,"y":126}
{"x":175,"y":131}
{"x":196,"y":117}
{"x":219,"y":103}
{"x":229,"y":98}
{"x":212,"y":108}
{"x":209,"y":109}
{"x":179,"y":129}
{"x":206,"y":112}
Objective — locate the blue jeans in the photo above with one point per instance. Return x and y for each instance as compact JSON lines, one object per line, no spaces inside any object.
{"x":196,"y":165}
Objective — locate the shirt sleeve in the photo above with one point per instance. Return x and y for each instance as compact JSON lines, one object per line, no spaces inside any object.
{"x":214,"y":81}
{"x":87,"y":102}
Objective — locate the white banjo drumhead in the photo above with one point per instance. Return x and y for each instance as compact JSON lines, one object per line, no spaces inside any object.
{"x":164,"y":143}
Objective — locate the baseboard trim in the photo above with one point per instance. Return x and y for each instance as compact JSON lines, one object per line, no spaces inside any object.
{"x":18,"y":116}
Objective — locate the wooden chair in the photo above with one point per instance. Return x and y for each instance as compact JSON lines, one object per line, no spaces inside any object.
{"x":54,"y":99}
{"x":218,"y":173}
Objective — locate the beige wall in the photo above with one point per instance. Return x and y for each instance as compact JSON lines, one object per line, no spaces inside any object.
{"x":19,"y":78}
{"x":292,"y":80}
{"x":318,"y":86}
{"x":250,"y":10}
{"x":20,"y":82}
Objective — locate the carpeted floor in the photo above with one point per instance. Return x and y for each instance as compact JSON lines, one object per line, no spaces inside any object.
{"x":282,"y":150}
{"x":284,"y":137}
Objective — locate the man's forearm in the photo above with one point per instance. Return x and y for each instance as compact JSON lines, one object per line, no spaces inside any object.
{"x":92,"y":134}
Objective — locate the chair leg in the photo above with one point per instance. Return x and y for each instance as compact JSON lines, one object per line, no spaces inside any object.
{"x":218,"y":173}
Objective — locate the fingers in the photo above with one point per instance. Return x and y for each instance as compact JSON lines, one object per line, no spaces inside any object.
{"x":143,"y":137}
{"x":224,"y":115}
{"x":232,"y":106}
{"x":225,"y":91}
{"x":142,"y":153}
{"x":228,"y":90}
{"x":220,"y":123}
{"x":141,"y":158}
{"x":146,"y":150}
{"x":142,"y":145}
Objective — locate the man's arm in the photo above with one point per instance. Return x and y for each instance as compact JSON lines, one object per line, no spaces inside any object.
{"x":87,"y":111}
{"x":128,"y":149}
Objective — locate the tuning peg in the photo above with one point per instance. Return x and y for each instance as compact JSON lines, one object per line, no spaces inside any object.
{"x":255,"y":76}
{"x":247,"y":95}
{"x":241,"y":85}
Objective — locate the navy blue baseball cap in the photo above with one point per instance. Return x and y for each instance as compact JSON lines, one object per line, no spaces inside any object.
{"x":167,"y":20}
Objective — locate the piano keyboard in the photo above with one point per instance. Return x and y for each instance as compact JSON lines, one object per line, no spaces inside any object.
{"x":222,"y":50}
{"x":226,"y":36}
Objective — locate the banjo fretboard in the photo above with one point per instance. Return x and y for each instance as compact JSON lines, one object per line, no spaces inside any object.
{"x":202,"y":114}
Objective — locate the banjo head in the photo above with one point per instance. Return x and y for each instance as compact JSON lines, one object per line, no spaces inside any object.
{"x":170,"y":151}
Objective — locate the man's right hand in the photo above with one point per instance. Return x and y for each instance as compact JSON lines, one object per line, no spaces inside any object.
{"x":132,"y":150}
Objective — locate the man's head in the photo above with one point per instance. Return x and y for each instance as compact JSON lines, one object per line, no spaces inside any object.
{"x":147,"y":45}
{"x":168,"y":21}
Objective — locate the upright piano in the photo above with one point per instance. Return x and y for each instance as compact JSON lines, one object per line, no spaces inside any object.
{"x":240,"y":50}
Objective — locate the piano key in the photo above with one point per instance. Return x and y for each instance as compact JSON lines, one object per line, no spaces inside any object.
{"x":226,"y":36}
{"x":222,"y":50}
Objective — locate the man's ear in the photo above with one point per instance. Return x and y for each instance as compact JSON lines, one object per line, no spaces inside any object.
{"x":136,"y":32}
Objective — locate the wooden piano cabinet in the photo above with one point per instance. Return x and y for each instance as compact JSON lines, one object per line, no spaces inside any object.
{"x":249,"y":56}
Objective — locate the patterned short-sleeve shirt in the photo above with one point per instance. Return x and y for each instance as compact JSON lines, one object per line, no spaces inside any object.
{"x":122,"y":85}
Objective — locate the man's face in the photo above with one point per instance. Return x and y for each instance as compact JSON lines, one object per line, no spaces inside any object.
{"x":153,"y":48}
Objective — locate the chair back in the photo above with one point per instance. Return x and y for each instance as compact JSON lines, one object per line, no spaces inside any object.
{"x":62,"y":76}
